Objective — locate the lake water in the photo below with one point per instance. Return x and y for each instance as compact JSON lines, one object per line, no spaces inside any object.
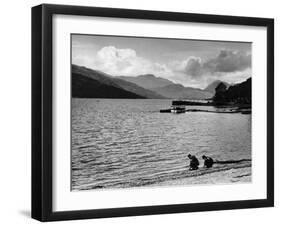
{"x":126,"y":143}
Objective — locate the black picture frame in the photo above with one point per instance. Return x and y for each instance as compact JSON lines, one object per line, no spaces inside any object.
{"x":42,"y":107}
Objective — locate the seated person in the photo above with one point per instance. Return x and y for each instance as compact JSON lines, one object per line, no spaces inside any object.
{"x":208,"y":161}
{"x":194,"y":163}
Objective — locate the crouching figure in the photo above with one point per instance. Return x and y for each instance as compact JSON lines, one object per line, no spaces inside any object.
{"x":194,"y":163}
{"x":208,"y":161}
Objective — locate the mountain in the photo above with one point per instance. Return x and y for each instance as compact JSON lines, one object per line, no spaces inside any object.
{"x":212,"y":86}
{"x":147,"y":81}
{"x":177,"y":91}
{"x":131,"y":87}
{"x":167,"y":88}
{"x":89,"y":83}
{"x":238,"y":94}
{"x":96,"y":84}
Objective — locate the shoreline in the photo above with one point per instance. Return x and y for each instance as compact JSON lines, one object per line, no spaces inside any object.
{"x":226,"y":177}
{"x":238,"y":175}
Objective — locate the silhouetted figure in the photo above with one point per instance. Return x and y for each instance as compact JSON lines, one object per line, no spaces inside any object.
{"x":208,"y":161}
{"x":194,"y":163}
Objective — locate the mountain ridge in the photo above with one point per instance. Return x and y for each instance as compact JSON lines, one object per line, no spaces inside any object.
{"x":167,"y":88}
{"x":178,"y":91}
{"x":87,"y":81}
{"x":147,"y":81}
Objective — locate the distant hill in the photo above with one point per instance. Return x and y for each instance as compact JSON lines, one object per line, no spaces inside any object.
{"x":238,"y":94}
{"x":131,"y":87}
{"x":96,"y":84}
{"x":177,"y":91}
{"x":212,"y":86}
{"x":87,"y":83}
{"x":167,"y":88}
{"x":147,"y":81}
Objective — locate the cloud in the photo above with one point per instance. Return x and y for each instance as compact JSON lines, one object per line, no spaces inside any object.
{"x":126,"y":62}
{"x":229,"y":61}
{"x":193,"y":66}
{"x":112,"y":53}
{"x":228,"y":65}
{"x":113,"y":60}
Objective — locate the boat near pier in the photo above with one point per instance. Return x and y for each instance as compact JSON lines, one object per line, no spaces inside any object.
{"x":174,"y":109}
{"x":178,"y":109}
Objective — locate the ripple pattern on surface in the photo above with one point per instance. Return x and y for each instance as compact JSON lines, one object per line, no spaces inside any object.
{"x":128,"y":143}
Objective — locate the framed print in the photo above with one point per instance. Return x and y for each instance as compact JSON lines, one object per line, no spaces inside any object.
{"x":146,"y":112}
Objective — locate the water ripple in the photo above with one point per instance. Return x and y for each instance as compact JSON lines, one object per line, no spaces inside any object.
{"x":125,"y":143}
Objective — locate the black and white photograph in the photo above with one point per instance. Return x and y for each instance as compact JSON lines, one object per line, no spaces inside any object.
{"x":150,"y":112}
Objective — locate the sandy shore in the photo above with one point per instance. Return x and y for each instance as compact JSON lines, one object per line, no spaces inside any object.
{"x":229,"y":176}
{"x":240,"y":175}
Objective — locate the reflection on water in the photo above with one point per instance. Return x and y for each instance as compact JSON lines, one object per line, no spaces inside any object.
{"x":125,"y":143}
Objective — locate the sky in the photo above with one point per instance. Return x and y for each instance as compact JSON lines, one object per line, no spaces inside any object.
{"x":192,"y":63}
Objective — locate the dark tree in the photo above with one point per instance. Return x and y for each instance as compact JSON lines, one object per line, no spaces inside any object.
{"x":236,"y":94}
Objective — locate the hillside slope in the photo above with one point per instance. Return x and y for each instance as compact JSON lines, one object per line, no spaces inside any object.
{"x":87,"y":83}
{"x":177,"y":91}
{"x":147,"y":81}
{"x":131,"y":87}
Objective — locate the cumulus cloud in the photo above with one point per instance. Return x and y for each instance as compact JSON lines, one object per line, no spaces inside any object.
{"x":228,"y":65}
{"x":126,"y":62}
{"x":112,"y":53}
{"x":229,"y":61}
{"x":193,"y":66}
{"x":113,"y":60}
{"x":226,"y":61}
